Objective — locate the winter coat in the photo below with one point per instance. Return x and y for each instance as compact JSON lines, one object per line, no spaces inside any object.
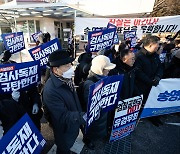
{"x":98,"y":128}
{"x":82,"y":69}
{"x":129,"y":88}
{"x":148,"y":67}
{"x":10,"y":113}
{"x":65,"y":112}
{"x":28,"y":98}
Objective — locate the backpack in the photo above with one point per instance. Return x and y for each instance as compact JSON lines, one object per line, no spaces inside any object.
{"x":80,"y":93}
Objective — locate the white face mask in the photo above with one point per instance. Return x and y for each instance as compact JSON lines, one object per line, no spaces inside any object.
{"x":93,"y":56}
{"x":69,"y":73}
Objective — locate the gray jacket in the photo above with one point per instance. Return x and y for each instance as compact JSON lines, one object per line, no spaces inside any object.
{"x":65,"y":112}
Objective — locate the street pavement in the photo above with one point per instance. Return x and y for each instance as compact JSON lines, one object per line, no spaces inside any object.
{"x":146,"y":139}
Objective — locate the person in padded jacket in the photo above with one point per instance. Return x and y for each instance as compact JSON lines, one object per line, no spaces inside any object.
{"x":100,"y":68}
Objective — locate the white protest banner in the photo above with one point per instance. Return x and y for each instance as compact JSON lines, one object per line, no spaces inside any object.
{"x":146,"y":25}
{"x":163,"y":99}
{"x":125,"y":118}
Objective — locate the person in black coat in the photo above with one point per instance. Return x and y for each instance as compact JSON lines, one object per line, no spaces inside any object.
{"x":124,"y":65}
{"x":82,"y":69}
{"x":149,"y":69}
{"x":61,"y":101}
{"x":31,"y":102}
{"x":10,"y":110}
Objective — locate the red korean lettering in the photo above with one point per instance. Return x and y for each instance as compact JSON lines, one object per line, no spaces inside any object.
{"x":119,"y":22}
{"x":127,"y":23}
{"x":137,"y":22}
{"x":112,"y":21}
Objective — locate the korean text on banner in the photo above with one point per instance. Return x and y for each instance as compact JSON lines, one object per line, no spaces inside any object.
{"x":18,"y":76}
{"x":23,"y":137}
{"x":130,"y":35}
{"x":14,"y":42}
{"x":42,"y":52}
{"x":35,"y":36}
{"x":99,"y":40}
{"x":103,"y":96}
{"x":116,"y":37}
{"x":147,"y":25}
{"x":125,"y":118}
{"x":163,"y":99}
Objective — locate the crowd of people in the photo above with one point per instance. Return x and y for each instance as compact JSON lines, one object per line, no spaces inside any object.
{"x":66,"y":106}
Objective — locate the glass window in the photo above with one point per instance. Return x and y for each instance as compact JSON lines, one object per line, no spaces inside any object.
{"x":22,"y":26}
{"x":37,"y":26}
{"x":31,"y":27}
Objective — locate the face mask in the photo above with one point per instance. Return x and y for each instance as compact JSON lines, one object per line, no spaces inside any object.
{"x":69,"y":73}
{"x":93,"y":56}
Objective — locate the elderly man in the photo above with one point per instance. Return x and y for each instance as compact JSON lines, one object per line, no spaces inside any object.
{"x":62,"y":102}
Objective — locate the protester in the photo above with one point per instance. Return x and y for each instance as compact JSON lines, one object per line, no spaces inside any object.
{"x":62,"y":102}
{"x":6,"y":58}
{"x":124,"y":65}
{"x":10,"y":110}
{"x":29,"y":100}
{"x":82,"y":69}
{"x":150,"y":70}
{"x":174,"y":68}
{"x":100,"y":68}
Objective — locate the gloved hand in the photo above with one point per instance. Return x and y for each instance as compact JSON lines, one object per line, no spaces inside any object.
{"x":155,"y":81}
{"x":15,"y":95}
{"x":35,"y":109}
{"x":1,"y":130}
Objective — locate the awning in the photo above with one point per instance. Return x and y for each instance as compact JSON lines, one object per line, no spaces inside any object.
{"x":113,"y":7}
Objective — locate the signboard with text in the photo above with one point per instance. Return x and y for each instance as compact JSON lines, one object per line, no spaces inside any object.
{"x":103,"y":96}
{"x":42,"y":52}
{"x":14,"y":42}
{"x":163,"y":99}
{"x":100,"y":40}
{"x":22,"y":138}
{"x":126,"y":115}
{"x":18,"y":76}
{"x":147,"y":25}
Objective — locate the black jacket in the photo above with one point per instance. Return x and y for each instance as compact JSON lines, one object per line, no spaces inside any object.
{"x":10,"y":112}
{"x":148,"y":67}
{"x":82,"y":69}
{"x":65,"y":112}
{"x":129,"y":88}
